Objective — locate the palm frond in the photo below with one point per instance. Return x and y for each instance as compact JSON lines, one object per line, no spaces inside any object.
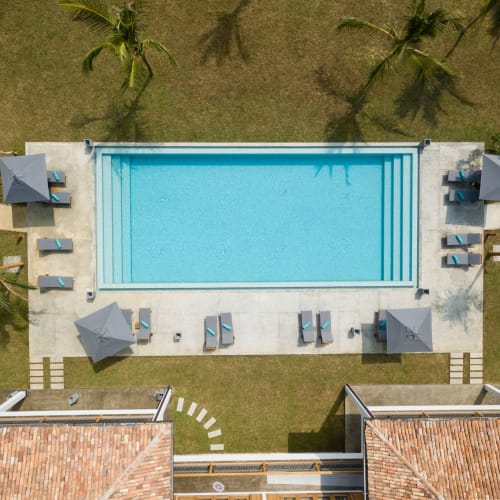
{"x":385,"y":66}
{"x":161,"y":48}
{"x":136,"y":74}
{"x":88,"y":60}
{"x":494,"y":29}
{"x":5,"y":303}
{"x":430,"y":64}
{"x":356,"y":23}
{"x":95,"y":13}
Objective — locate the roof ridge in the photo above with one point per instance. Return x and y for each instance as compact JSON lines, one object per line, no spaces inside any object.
{"x":405,"y":461}
{"x":137,"y":460}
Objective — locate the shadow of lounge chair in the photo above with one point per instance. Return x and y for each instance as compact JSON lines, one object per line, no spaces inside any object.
{"x":47,"y":282}
{"x":211,"y":333}
{"x":325,"y":327}
{"x":306,"y":326}
{"x":467,"y":195}
{"x":55,"y":245}
{"x":226,"y":329}
{"x":453,"y":240}
{"x":463,"y":259}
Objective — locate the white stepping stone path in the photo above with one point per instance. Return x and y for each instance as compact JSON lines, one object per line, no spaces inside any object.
{"x":192,"y":408}
{"x":211,"y":421}
{"x":36,"y":373}
{"x":180,"y":404}
{"x":456,"y":368}
{"x":476,"y":368}
{"x":56,"y":373}
{"x":199,"y":418}
{"x":201,"y":415}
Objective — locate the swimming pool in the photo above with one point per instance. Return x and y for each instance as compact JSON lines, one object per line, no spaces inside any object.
{"x":209,"y":216}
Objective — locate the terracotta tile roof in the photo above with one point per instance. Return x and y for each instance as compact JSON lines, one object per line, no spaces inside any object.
{"x":60,"y":461}
{"x":455,"y":458}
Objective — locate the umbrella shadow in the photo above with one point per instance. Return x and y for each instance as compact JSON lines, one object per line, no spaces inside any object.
{"x":346,"y":127}
{"x":218,"y":42}
{"x":123,"y":121}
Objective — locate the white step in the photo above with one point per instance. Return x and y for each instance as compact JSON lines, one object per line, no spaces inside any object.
{"x":180,"y":404}
{"x":209,"y":423}
{"x":201,"y":415}
{"x":192,"y":408}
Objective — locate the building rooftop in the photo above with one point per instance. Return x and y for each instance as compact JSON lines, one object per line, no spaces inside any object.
{"x":433,"y":458}
{"x":86,"y":461}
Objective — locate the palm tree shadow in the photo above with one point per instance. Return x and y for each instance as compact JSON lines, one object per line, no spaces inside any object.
{"x":347,"y":127}
{"x":123,"y":121}
{"x":218,"y":42}
{"x":416,"y":98}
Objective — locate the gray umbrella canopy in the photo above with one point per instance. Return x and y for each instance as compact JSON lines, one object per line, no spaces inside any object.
{"x":24,"y":178}
{"x":490,"y":178}
{"x":409,"y":330}
{"x":104,"y":332}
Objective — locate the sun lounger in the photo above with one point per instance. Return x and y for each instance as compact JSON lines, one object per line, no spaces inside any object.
{"x":463,"y":239}
{"x":464,"y":195}
{"x":211,"y":333}
{"x":127,"y":313}
{"x":56,"y":177}
{"x":226,"y":329}
{"x":463,"y":259}
{"x":382,"y":326}
{"x":306,"y":326}
{"x":325,"y":327}
{"x":59,"y":198}
{"x":55,"y":245}
{"x":144,"y":334}
{"x":64,"y":282}
{"x":463,"y":176}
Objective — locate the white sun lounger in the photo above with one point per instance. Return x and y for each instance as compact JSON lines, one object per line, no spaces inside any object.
{"x":55,"y":244}
{"x":211,"y":333}
{"x":325,"y":327}
{"x":306,"y":326}
{"x":226,"y":329}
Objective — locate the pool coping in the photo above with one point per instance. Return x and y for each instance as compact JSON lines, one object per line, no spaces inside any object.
{"x":102,"y":148}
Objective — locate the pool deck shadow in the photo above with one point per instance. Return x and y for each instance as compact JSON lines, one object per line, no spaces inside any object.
{"x":265,"y":320}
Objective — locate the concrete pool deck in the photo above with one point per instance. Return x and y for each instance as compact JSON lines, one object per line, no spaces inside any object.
{"x":265,"y":321}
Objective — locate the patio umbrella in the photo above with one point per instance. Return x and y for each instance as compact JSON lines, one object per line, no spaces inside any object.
{"x":409,"y":330}
{"x":104,"y":332}
{"x":24,"y":179}
{"x":490,"y":178}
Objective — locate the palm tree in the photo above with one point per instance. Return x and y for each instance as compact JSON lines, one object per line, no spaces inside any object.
{"x":8,"y":285}
{"x":122,"y":27}
{"x":405,"y":45}
{"x":491,"y":7}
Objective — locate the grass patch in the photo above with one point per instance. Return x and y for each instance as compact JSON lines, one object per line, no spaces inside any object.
{"x":14,"y":353}
{"x":262,"y":403}
{"x":491,"y":318}
{"x":289,"y":80}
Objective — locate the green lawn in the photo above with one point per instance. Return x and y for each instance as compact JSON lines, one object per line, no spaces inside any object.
{"x":289,"y":84}
{"x":262,"y":403}
{"x":491,"y":339}
{"x":14,"y":353}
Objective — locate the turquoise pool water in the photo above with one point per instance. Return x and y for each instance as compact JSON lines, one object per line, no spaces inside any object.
{"x":256,"y":216}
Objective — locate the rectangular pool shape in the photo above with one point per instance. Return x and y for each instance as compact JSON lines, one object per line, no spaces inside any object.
{"x":247,"y":216}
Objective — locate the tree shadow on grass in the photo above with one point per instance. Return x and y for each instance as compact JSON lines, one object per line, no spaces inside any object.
{"x":329,"y":438}
{"x":347,"y":127}
{"x":427,"y":100}
{"x":123,"y":121}
{"x":219,"y":41}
